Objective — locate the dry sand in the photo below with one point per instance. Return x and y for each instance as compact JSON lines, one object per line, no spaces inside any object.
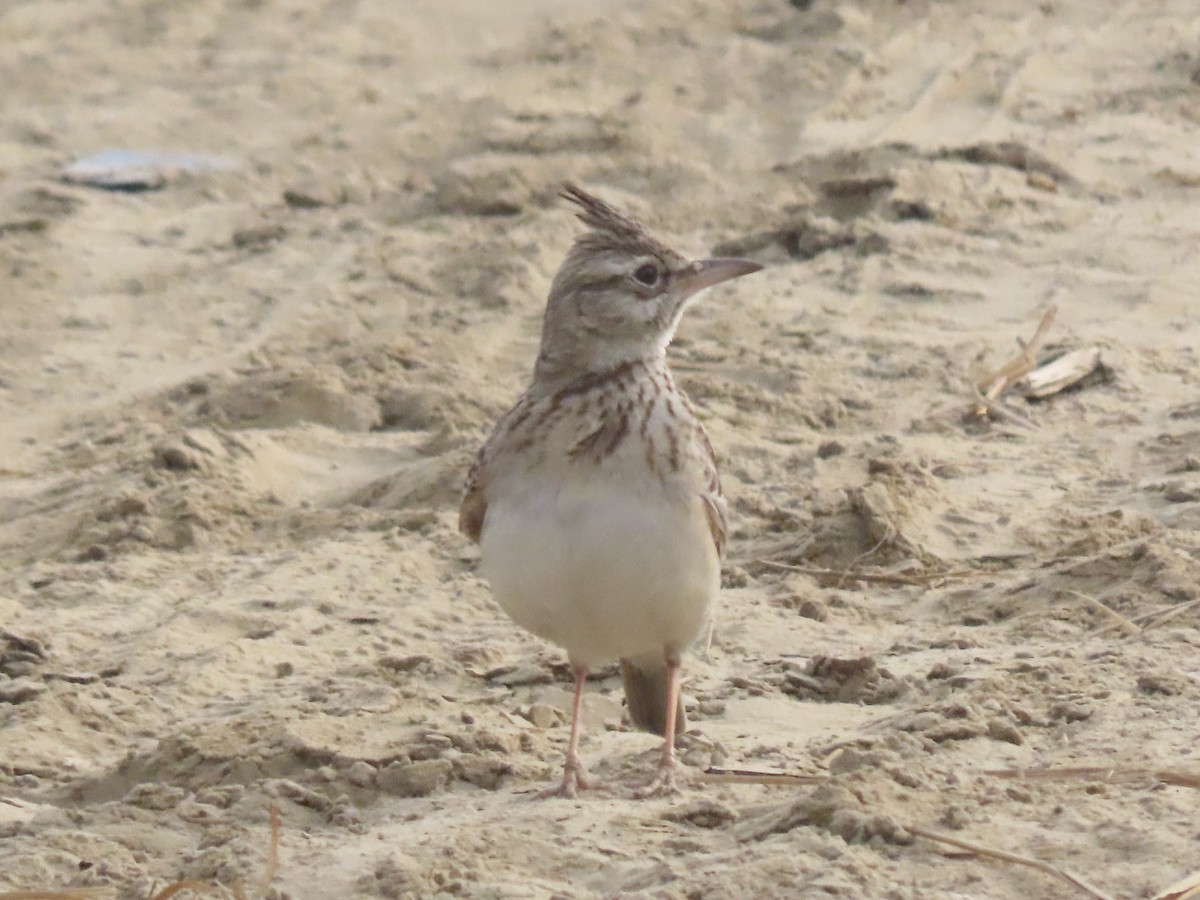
{"x":236,"y":413}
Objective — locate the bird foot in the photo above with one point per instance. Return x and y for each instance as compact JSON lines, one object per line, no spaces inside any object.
{"x":667,"y":783}
{"x":574,"y":780}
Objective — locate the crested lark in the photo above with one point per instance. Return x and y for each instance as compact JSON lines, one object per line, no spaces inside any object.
{"x":596,"y":501}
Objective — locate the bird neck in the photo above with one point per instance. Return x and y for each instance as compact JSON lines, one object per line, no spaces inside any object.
{"x":555,"y":372}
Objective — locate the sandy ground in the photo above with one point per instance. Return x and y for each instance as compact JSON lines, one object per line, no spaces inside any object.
{"x":236,"y":413}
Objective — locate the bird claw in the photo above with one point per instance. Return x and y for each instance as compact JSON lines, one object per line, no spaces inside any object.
{"x":574,"y":780}
{"x":665,"y":784}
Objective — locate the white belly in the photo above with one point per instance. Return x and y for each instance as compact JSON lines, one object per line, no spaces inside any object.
{"x":601,"y":568}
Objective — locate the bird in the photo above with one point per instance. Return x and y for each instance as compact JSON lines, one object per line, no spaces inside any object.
{"x":596,"y":499}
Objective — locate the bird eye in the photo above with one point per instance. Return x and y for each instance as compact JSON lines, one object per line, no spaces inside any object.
{"x":647,"y":274}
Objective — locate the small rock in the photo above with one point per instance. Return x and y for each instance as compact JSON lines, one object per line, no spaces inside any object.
{"x":361,"y":773}
{"x":205,"y":441}
{"x":810,"y":608}
{"x":544,"y":716}
{"x":1041,"y":181}
{"x":500,"y":741}
{"x":828,"y":808}
{"x":955,"y":731}
{"x":124,"y":507}
{"x":1165,"y":682}
{"x":511,"y":676}
{"x":847,"y":759}
{"x":918,"y":721}
{"x":703,"y":814}
{"x":175,"y":458}
{"x":308,"y":198}
{"x":830,"y":448}
{"x":258,"y":237}
{"x":1070,"y":712}
{"x":415,"y":779}
{"x":1002,"y":729}
{"x":20,"y":690}
{"x":482,"y":771}
{"x":396,"y":879}
{"x":404,"y":663}
{"x":298,"y":793}
{"x":941,"y":671}
{"x":345,"y":814}
{"x":710,"y":708}
{"x":1177,"y":492}
{"x":154,"y":795}
{"x":953,"y":818}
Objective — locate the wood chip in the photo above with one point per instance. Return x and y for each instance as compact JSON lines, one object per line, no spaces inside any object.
{"x":1059,"y":374}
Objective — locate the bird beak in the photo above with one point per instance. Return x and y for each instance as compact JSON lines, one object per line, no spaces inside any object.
{"x":704,"y":273}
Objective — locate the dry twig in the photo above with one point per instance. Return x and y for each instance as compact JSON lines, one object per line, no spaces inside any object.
{"x":1110,"y":775}
{"x":980,"y":850}
{"x":196,"y":887}
{"x":1023,"y":363}
{"x":1000,"y":409}
{"x":1118,"y":620}
{"x":1185,"y":889}
{"x":923,"y":579}
{"x":714,"y":775}
{"x":273,"y":851}
{"x":1165,"y":615}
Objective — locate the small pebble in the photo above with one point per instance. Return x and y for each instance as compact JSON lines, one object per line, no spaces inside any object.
{"x":710,"y":707}
{"x":813,"y":609}
{"x":830,"y":448}
{"x":361,"y":773}
{"x":543,"y":716}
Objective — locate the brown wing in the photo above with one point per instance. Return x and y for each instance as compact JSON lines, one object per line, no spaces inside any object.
{"x":473,"y":510}
{"x":712,"y":496}
{"x":474,"y":504}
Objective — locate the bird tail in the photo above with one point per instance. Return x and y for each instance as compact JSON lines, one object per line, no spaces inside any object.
{"x":646,"y":694}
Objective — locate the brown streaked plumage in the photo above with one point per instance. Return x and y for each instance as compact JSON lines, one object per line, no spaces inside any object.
{"x":596,"y":500}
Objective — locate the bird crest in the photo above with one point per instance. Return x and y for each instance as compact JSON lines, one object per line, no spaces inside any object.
{"x":613,"y":229}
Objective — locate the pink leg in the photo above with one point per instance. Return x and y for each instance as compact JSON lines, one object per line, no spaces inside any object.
{"x":574,"y":777}
{"x":664,"y":781}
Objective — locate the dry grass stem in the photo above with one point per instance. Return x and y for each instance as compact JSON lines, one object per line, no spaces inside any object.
{"x":1118,"y":620}
{"x":1063,"y":564}
{"x":1165,"y":614}
{"x":923,"y":579}
{"x":1110,"y":775}
{"x":239,"y":891}
{"x":996,"y":408}
{"x":1004,"y":855}
{"x":1185,"y":889}
{"x":995,"y":384}
{"x":196,"y":887}
{"x":273,"y":850}
{"x":66,"y":894}
{"x":714,"y":775}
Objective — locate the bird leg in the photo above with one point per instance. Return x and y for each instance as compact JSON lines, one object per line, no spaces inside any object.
{"x":664,"y":782}
{"x":574,"y":777}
